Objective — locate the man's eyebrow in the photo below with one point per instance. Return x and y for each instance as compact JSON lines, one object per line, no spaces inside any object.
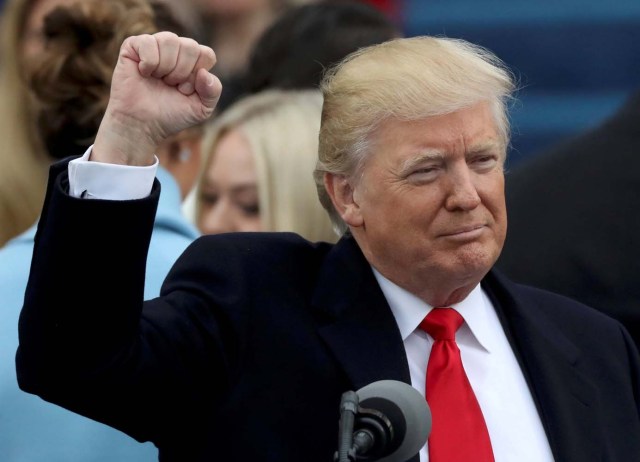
{"x":430,"y":155}
{"x":424,"y":155}
{"x":486,"y":146}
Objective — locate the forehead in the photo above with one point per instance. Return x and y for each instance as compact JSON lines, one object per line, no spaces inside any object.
{"x":232,"y":158}
{"x":461,"y":132}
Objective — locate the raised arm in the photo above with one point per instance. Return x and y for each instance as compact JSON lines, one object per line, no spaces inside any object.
{"x":87,"y":341}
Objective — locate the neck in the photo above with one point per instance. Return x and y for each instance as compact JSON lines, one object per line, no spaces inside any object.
{"x":436,"y":292}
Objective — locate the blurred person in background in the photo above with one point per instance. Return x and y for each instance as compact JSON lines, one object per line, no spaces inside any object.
{"x":258,"y":173}
{"x":589,"y":188}
{"x":260,"y":150}
{"x":71,"y":101}
{"x":69,"y":70}
{"x":233,"y":27}
{"x":304,"y":41}
{"x":295,"y":50}
{"x":24,"y":160}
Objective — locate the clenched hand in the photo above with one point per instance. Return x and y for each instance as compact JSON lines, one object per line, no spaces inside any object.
{"x":161,"y":85}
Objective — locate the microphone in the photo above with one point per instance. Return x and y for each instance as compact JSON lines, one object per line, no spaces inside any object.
{"x":385,"y":421}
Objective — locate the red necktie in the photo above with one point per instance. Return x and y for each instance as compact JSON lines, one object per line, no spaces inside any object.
{"x":459,"y":433}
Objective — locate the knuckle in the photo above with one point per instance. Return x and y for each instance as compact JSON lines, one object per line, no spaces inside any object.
{"x":208,"y":54}
{"x":188,"y":42}
{"x":167,"y":38}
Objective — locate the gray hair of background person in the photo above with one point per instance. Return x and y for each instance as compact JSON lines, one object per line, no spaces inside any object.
{"x":405,"y":79}
{"x":282,"y":130}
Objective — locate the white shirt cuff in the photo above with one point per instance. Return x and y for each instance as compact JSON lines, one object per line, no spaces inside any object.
{"x":99,"y":180}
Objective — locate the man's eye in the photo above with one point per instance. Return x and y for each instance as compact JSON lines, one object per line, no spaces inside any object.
{"x":485,"y":161}
{"x":423,"y":174}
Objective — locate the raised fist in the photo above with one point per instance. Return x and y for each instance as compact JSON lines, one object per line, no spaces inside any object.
{"x":161,"y":85}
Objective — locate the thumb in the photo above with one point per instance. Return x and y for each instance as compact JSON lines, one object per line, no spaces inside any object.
{"x":208,"y":87}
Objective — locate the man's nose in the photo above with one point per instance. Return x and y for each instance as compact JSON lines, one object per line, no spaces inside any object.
{"x":462,"y":193}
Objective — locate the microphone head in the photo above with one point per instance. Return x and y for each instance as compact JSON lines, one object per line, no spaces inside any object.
{"x":407,"y":411}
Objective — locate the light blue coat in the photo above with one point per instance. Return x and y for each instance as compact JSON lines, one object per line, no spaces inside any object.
{"x":32,"y":430}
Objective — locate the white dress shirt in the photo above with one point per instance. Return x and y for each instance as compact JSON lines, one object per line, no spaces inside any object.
{"x":513,"y":422}
{"x":514,"y":426}
{"x":98,"y":180}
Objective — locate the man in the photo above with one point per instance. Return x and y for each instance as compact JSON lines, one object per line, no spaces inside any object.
{"x":255,"y":337}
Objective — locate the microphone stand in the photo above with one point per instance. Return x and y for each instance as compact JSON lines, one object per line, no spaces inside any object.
{"x":363,"y":433}
{"x":349,"y":404}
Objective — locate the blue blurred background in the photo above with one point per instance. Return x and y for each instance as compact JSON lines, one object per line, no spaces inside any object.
{"x":576,"y":60}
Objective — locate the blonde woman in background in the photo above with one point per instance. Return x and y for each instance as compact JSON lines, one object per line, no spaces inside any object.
{"x":258,"y":168}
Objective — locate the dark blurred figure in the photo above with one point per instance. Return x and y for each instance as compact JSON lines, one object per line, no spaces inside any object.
{"x":232,"y":28}
{"x":294,"y":52}
{"x":574,"y":222}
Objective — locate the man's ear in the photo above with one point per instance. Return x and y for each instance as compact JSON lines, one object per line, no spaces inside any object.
{"x":341,"y":192}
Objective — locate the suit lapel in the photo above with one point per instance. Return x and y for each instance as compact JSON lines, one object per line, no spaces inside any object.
{"x":564,"y":396}
{"x":357,"y":324}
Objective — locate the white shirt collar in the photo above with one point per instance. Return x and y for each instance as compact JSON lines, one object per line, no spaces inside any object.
{"x":409,"y":311}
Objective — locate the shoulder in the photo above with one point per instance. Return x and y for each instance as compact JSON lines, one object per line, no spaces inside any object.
{"x":544,"y":323}
{"x":259,"y":245}
{"x":252,"y":256}
{"x":565,"y":313}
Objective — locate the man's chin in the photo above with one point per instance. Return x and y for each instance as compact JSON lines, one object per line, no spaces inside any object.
{"x":474,"y":261}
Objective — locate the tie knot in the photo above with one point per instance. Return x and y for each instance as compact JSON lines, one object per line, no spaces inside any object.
{"x":442,"y":323}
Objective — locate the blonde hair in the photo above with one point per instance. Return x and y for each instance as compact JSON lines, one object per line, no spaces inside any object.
{"x":282,"y":130}
{"x":23,"y":162}
{"x":405,"y":79}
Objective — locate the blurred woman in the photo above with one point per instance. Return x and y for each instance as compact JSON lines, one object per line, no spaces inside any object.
{"x":24,"y":159}
{"x":65,"y":72}
{"x":258,"y":169}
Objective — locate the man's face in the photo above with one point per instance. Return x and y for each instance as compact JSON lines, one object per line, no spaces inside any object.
{"x":429,"y":208}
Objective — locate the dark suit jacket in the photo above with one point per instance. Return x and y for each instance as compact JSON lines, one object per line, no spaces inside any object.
{"x":256,"y":336}
{"x":574,"y":219}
